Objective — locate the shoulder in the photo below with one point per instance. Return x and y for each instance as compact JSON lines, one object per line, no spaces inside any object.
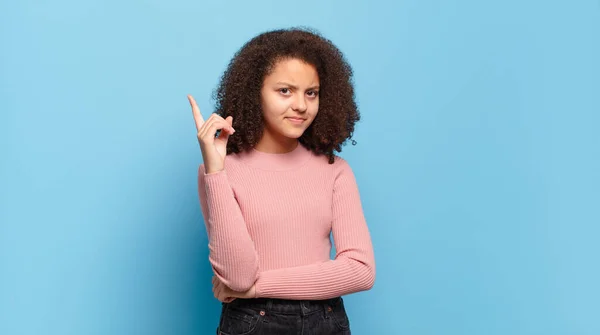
{"x":340,"y":162}
{"x":339,"y":167}
{"x":343,"y":175}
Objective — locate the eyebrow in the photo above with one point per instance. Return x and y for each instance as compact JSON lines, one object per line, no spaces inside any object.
{"x":316,"y":87}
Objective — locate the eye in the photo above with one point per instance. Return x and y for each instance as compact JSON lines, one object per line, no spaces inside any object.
{"x":313,"y":93}
{"x":284,"y":90}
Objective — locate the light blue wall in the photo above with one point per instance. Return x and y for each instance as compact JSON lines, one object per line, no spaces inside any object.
{"x":477,"y":159}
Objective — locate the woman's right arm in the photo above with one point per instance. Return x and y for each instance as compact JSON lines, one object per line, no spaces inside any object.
{"x":231,"y":250}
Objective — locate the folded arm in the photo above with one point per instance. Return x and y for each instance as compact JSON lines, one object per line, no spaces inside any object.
{"x":353,"y":268}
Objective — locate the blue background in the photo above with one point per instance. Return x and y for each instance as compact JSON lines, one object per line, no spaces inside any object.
{"x":478,"y":161}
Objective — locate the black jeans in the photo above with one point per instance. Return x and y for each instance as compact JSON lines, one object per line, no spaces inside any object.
{"x":286,"y":317}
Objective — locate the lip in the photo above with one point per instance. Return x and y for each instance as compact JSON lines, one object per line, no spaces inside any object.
{"x":296,"y":120}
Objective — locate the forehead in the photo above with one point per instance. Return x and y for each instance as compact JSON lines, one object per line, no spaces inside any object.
{"x":293,"y":71}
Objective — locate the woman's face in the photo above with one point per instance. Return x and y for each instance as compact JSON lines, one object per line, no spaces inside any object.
{"x":290,"y":100}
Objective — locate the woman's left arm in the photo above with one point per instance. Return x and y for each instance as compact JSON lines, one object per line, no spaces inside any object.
{"x":353,"y":268}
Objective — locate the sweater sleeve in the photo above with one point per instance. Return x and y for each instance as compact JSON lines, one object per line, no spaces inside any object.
{"x":232,"y":254}
{"x":353,"y":268}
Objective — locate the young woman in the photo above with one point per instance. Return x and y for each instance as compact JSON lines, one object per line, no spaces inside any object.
{"x":272,"y":190}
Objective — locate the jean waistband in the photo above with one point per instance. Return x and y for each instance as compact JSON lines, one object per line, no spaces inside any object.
{"x":285,"y":306}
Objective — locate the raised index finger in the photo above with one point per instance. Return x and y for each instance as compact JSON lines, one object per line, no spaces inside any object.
{"x":196,"y":112}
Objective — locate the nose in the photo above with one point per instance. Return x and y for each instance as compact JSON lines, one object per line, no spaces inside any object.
{"x":299,"y":104}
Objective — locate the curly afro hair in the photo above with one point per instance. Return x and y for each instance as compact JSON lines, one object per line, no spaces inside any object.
{"x":239,"y":91}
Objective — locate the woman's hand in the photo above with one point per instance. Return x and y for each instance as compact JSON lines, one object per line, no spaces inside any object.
{"x":225,"y":294}
{"x":214,"y":149}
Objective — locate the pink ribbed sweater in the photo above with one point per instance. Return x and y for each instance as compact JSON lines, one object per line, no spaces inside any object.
{"x":268,"y":219}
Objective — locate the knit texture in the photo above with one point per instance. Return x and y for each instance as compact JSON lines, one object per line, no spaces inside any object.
{"x":269,"y":217}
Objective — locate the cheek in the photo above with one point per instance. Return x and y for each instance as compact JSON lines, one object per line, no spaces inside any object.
{"x":273,"y":103}
{"x":274,"y":107}
{"x":314,"y":108}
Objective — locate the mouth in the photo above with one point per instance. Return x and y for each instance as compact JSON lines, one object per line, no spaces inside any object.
{"x":296,"y":120}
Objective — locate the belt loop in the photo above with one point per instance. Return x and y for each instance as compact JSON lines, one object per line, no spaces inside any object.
{"x":326,"y":309}
{"x":269,"y":304}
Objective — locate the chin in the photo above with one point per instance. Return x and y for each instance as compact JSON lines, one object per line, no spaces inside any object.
{"x":293,"y":134}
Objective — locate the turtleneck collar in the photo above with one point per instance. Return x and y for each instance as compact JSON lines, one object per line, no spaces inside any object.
{"x":276,"y":162}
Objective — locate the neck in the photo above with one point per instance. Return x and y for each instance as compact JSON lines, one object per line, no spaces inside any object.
{"x":270,"y":145}
{"x":270,"y":161}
